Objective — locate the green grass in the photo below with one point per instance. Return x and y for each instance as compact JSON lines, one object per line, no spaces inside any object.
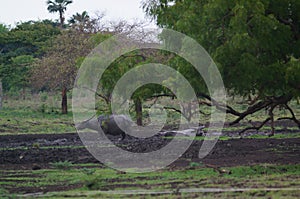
{"x":91,"y":181}
{"x":37,"y":114}
{"x":4,"y":194}
{"x":30,"y":121}
{"x":40,"y":114}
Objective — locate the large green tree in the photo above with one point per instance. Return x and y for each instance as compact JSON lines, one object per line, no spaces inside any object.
{"x":16,"y":74}
{"x":21,"y":44}
{"x":119,"y":68}
{"x":256,"y":44}
{"x":59,"y":6}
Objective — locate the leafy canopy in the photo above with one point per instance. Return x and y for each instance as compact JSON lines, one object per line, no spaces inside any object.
{"x":29,"y":39}
{"x":253,"y":41}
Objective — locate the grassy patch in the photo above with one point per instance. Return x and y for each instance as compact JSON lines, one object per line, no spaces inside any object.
{"x":62,"y":165}
{"x":41,"y":114}
{"x":4,"y":194}
{"x":24,"y":121}
{"x":93,"y":180}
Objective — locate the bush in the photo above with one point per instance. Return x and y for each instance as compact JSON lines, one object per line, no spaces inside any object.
{"x":43,"y":96}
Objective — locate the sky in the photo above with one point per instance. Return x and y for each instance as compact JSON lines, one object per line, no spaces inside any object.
{"x":13,"y":11}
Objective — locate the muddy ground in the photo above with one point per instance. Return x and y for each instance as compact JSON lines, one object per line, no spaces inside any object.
{"x":29,"y":151}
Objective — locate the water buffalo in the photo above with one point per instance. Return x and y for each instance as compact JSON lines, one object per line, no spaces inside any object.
{"x":111,"y":125}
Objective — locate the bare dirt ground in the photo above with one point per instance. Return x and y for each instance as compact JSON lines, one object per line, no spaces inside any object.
{"x":27,"y":151}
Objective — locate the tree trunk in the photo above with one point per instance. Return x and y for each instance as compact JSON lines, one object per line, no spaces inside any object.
{"x":1,"y":94}
{"x":62,"y":19}
{"x":139,"y":112}
{"x":23,"y":93}
{"x":271,"y":114}
{"x":64,"y":101}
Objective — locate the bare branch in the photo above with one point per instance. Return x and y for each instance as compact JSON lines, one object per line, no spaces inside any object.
{"x":255,"y":127}
{"x":98,"y":94}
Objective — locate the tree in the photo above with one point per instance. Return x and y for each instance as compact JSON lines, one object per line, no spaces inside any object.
{"x":120,"y":66}
{"x":57,"y":69}
{"x":84,"y":23}
{"x":3,"y":29}
{"x":116,"y":70}
{"x":59,"y":6}
{"x":255,"y":44}
{"x":19,"y":72}
{"x":80,"y":21}
{"x":28,"y":39}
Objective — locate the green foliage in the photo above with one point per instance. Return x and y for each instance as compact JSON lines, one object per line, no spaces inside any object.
{"x":82,"y":22}
{"x":117,"y":69}
{"x":43,"y":96}
{"x":42,"y":108}
{"x":19,"y":47}
{"x":3,"y":28}
{"x":97,"y":38}
{"x":252,"y":41}
{"x":29,"y":38}
{"x":292,"y":76}
{"x":59,"y":6}
{"x":20,"y":67}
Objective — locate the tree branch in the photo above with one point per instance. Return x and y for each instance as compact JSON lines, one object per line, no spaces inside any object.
{"x":106,"y":99}
{"x":293,"y":115}
{"x":255,"y":127}
{"x":252,"y":109}
{"x":176,"y":110}
{"x":221,"y":107}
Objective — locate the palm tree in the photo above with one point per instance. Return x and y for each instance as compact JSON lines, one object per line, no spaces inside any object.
{"x":59,"y":6}
{"x":80,"y":21}
{"x":80,"y":18}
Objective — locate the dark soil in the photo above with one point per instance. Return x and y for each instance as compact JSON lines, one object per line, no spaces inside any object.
{"x":27,"y":151}
{"x":30,"y":152}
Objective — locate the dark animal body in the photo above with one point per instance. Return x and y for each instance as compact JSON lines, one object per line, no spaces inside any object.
{"x":112,"y":125}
